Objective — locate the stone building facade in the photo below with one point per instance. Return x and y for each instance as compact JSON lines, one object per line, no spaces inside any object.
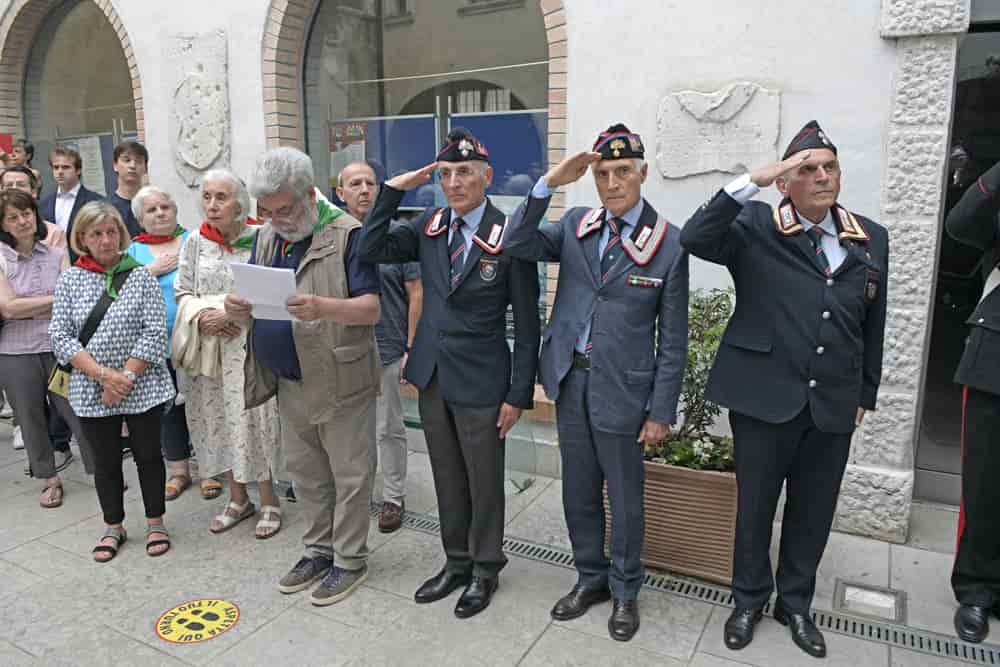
{"x":714,"y":86}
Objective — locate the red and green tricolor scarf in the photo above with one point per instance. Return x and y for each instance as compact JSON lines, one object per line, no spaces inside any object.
{"x":158,"y":239}
{"x":245,"y":241}
{"x":126,"y":263}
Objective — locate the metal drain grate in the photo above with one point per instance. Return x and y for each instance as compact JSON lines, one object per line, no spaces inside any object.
{"x":900,"y":636}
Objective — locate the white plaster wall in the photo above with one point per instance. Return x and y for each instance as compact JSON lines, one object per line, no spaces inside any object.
{"x":828,"y":62}
{"x":150,"y":25}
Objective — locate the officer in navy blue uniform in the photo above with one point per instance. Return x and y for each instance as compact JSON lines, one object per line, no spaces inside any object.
{"x":975,"y":579}
{"x":612,"y":358}
{"x":799,"y":364}
{"x":471,"y":394}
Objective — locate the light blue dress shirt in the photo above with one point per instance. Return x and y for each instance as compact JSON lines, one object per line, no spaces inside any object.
{"x":631,"y":219}
{"x":743,"y":190}
{"x":470,"y":224}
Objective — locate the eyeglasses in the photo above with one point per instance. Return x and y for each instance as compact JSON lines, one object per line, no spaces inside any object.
{"x":283,"y":214}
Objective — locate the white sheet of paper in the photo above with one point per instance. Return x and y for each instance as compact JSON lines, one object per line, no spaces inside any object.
{"x":267,"y":289}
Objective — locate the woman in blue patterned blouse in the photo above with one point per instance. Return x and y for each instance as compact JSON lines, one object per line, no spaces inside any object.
{"x":121,"y":373}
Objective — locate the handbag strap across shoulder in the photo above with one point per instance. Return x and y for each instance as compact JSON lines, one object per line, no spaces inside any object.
{"x":101,"y":308}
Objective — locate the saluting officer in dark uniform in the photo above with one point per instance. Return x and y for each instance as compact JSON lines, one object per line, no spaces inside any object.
{"x":471,"y":394}
{"x":612,"y":358}
{"x":799,"y":364}
{"x":976,"y":575}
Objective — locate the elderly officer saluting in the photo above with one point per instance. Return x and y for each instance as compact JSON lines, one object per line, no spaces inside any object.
{"x":799,"y":364}
{"x":612,"y":358}
{"x":471,"y":394}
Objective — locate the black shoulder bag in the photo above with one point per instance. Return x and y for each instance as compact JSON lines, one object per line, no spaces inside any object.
{"x":59,"y":378}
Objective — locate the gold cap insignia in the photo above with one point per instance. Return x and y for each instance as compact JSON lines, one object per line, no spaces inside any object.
{"x":617,"y":146}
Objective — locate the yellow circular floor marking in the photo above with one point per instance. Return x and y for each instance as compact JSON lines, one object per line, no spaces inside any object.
{"x":197,"y":621}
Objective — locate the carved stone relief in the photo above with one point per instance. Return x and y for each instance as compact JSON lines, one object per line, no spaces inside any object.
{"x":199,"y":114}
{"x":726,"y":130}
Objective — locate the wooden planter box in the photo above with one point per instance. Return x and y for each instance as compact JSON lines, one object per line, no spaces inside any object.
{"x":690,"y":521}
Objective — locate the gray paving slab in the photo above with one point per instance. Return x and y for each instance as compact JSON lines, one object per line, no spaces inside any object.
{"x":14,"y":579}
{"x":709,"y":660}
{"x":413,"y":558}
{"x":105,"y":646}
{"x":669,"y":625}
{"x":926,"y":578}
{"x":298,"y":637}
{"x":543,"y":520}
{"x":850,"y":558}
{"x":772,"y":646}
{"x":561,"y":647}
{"x":23,"y":520}
{"x":903,"y":658}
{"x":933,"y":527}
{"x":12,"y":656}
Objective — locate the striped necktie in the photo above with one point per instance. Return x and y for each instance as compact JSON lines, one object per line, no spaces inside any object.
{"x":456,"y":251}
{"x":816,"y":236}
{"x":614,"y":238}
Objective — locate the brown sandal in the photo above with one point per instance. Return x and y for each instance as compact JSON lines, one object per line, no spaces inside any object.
{"x":210,"y":489}
{"x":55,"y":496}
{"x":176,"y":485}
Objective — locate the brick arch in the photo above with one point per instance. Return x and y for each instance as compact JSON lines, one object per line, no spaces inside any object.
{"x":18,"y":27}
{"x":285,"y":37}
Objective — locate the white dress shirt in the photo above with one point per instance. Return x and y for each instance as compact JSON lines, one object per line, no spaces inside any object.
{"x":64,"y":206}
{"x":743,"y":190}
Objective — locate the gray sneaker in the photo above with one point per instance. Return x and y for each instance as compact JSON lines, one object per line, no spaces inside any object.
{"x":337,"y":585}
{"x":306,"y":571}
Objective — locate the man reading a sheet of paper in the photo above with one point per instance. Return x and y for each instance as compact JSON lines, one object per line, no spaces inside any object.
{"x":323,"y":366}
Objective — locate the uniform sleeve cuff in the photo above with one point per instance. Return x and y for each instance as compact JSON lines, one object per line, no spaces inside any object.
{"x":742,"y":189}
{"x":541,"y":189}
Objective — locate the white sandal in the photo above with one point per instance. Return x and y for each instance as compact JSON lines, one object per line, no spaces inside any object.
{"x":227,"y":521}
{"x":267,"y":522}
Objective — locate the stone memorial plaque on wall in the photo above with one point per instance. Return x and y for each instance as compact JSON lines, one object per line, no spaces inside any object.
{"x":199,"y":114}
{"x":728,"y":130}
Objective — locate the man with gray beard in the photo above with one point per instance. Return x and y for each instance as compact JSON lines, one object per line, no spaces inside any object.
{"x":323,"y":366}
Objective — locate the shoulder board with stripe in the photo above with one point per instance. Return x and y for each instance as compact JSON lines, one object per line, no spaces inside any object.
{"x":589,"y":222}
{"x":786,"y":221}
{"x":434,"y":226}
{"x":851,"y":228}
{"x":646,"y":243}
{"x":494,"y":244}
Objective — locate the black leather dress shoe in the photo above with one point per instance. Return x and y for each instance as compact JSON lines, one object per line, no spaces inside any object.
{"x":576,"y":603}
{"x":804,"y":632}
{"x":972,"y":623}
{"x":441,"y":585}
{"x":624,"y":621}
{"x":476,"y":596}
{"x":739,"y":627}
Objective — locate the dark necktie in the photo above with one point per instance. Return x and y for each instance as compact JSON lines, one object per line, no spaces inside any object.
{"x":456,"y":251}
{"x":816,"y":236}
{"x":610,"y":250}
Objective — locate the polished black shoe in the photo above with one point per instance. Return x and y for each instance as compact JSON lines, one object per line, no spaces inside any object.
{"x":972,"y":623}
{"x":624,"y":621}
{"x":441,"y":585}
{"x":739,"y":627}
{"x":804,"y":632}
{"x":476,"y":596}
{"x":576,"y":603}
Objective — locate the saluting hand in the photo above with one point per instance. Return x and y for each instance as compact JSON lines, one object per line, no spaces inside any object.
{"x":507,"y":418}
{"x":412,"y":179}
{"x":762,"y":177}
{"x":571,"y":169}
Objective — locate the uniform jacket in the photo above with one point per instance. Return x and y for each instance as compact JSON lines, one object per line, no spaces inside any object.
{"x":639,"y":314}
{"x":47,"y":207}
{"x":796,"y":336}
{"x":974,"y":220}
{"x":339,"y":362}
{"x":462,"y":331}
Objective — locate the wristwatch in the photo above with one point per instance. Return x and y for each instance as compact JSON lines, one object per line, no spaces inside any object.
{"x":129,"y":374}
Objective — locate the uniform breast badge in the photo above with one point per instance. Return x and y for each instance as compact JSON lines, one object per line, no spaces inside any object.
{"x":645,"y":281}
{"x":488,"y":270}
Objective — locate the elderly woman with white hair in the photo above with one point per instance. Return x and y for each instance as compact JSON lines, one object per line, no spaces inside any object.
{"x":210,"y":347}
{"x":158,"y":248}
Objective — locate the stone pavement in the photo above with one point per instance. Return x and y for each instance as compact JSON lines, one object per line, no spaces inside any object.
{"x":58,"y":607}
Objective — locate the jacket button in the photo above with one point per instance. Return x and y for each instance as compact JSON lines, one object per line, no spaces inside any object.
{"x":812,"y":384}
{"x":829,"y":282}
{"x":826,"y":314}
{"x":982,"y":320}
{"x":820,"y":350}
{"x":440,"y":335}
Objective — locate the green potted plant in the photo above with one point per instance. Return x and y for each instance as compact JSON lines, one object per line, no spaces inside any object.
{"x":690,"y":493}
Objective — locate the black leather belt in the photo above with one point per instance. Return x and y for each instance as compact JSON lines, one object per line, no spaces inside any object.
{"x":581,"y":361}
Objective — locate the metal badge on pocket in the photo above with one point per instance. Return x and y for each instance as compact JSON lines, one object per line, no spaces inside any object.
{"x":871,"y":285}
{"x":488,"y":270}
